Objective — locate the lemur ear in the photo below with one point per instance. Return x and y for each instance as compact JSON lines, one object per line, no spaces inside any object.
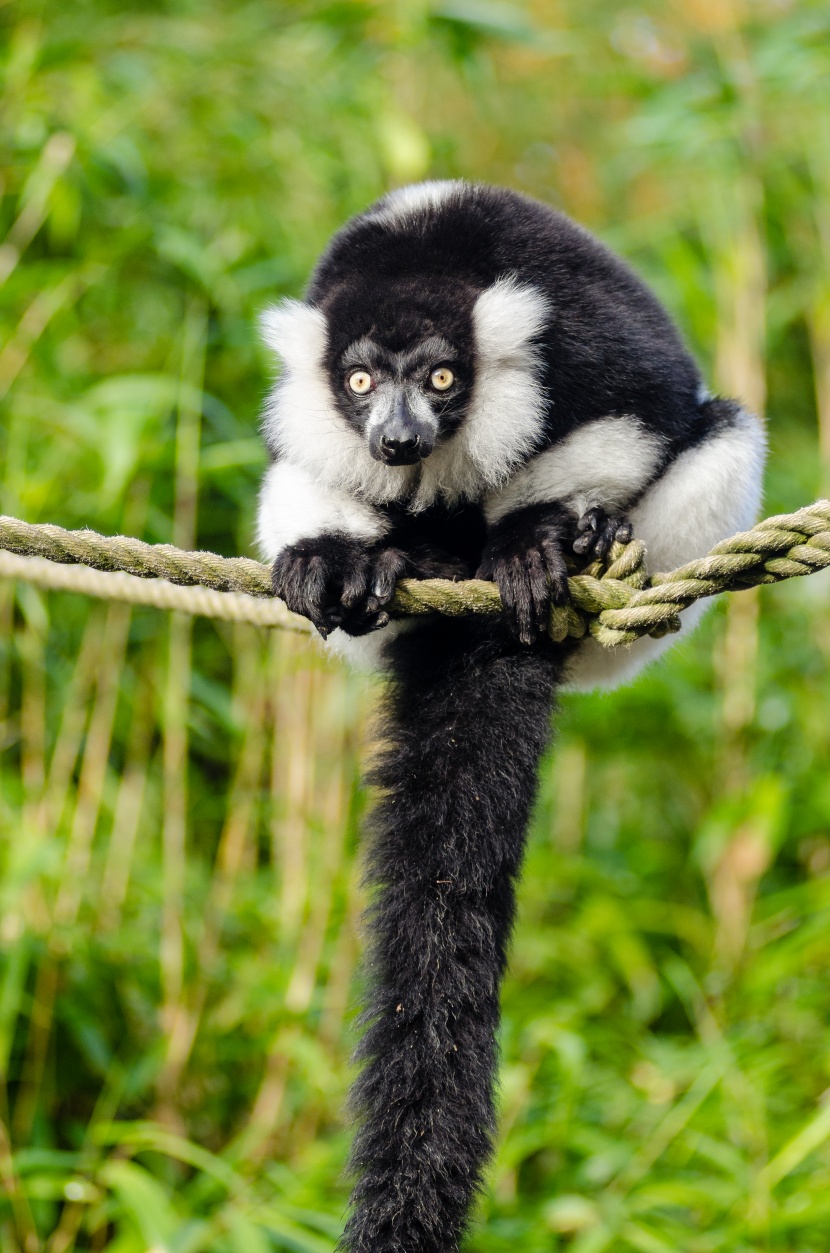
{"x":295,"y":331}
{"x":507,"y":316}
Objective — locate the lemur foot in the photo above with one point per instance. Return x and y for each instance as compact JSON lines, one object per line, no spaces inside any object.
{"x":525,"y":557}
{"x":336,"y":581}
{"x":598,"y":531}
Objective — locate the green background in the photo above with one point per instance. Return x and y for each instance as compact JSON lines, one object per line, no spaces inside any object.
{"x":179,"y":803}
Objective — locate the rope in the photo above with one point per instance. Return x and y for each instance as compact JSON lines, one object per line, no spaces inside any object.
{"x":159,"y":593}
{"x":616,"y":602}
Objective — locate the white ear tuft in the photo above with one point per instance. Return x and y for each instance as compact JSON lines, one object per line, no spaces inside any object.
{"x":296,"y":332}
{"x":506,"y":317}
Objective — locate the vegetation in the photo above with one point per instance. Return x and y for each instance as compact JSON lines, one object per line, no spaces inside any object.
{"x":179,"y":802}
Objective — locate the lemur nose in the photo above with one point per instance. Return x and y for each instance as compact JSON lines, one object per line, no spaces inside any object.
{"x":398,"y":447}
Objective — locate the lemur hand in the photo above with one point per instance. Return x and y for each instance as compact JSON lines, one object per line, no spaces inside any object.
{"x":597,"y":531}
{"x":337,"y":581}
{"x":525,"y":556}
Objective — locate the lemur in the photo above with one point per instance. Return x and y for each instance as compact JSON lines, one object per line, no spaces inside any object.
{"x":473,"y":386}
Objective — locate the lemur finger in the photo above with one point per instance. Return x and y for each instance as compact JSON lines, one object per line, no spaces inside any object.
{"x":614,"y":529}
{"x":598,"y":531}
{"x":318,"y":596}
{"x":390,"y":566}
{"x":602,"y":544}
{"x":584,"y":543}
{"x":514,"y":586}
{"x":355,"y":578}
{"x":591,"y":520}
{"x":313,"y":575}
{"x":551,"y":551}
{"x":539,"y":586}
{"x":589,"y":527}
{"x":288,"y":578}
{"x":320,"y":624}
{"x":301,"y":583}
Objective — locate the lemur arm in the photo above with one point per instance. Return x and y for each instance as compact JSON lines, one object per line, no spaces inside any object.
{"x":329,"y":560}
{"x":585,"y":491}
{"x":570,"y":497}
{"x":336,"y":559}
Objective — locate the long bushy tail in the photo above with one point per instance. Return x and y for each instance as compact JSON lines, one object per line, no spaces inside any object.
{"x":467,"y":720}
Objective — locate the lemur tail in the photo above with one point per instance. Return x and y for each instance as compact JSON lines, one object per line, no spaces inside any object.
{"x":467,"y":720}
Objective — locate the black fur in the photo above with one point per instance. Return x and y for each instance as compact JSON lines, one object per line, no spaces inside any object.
{"x":525,"y":555}
{"x":337,"y":581}
{"x":447,"y":838}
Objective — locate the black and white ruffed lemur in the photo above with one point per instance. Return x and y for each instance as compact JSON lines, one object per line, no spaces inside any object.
{"x":473,"y":386}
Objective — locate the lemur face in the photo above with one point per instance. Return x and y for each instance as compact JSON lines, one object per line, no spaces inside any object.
{"x":403,"y":399}
{"x":400,"y":359}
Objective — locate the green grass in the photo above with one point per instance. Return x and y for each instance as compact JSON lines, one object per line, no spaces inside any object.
{"x":179,"y":802}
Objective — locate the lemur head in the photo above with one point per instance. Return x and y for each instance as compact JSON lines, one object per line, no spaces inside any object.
{"x":400,"y":362}
{"x":407,"y":342}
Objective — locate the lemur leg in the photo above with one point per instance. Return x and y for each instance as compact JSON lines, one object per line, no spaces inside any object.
{"x":705,"y":495}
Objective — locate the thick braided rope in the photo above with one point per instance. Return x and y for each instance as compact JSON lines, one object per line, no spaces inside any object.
{"x":617,"y":603}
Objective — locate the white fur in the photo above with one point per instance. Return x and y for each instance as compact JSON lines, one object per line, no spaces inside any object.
{"x":418,"y":404}
{"x":606,"y":462}
{"x":399,"y":206}
{"x":292,"y":506}
{"x":705,"y":495}
{"x":296,"y":332}
{"x":507,"y":409}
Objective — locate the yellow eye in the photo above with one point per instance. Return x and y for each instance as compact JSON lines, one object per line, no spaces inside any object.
{"x":442,"y":378}
{"x":360,"y":382}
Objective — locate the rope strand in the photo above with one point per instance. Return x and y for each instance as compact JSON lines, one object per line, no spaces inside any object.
{"x":616,"y":602}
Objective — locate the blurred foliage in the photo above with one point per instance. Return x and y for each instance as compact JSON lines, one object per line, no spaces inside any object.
{"x":179,"y":802}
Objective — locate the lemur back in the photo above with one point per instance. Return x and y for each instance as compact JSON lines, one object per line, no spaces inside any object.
{"x":473,"y":385}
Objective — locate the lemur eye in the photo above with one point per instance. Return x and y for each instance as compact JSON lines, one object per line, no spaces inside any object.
{"x":442,"y":378}
{"x":360,"y":382}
